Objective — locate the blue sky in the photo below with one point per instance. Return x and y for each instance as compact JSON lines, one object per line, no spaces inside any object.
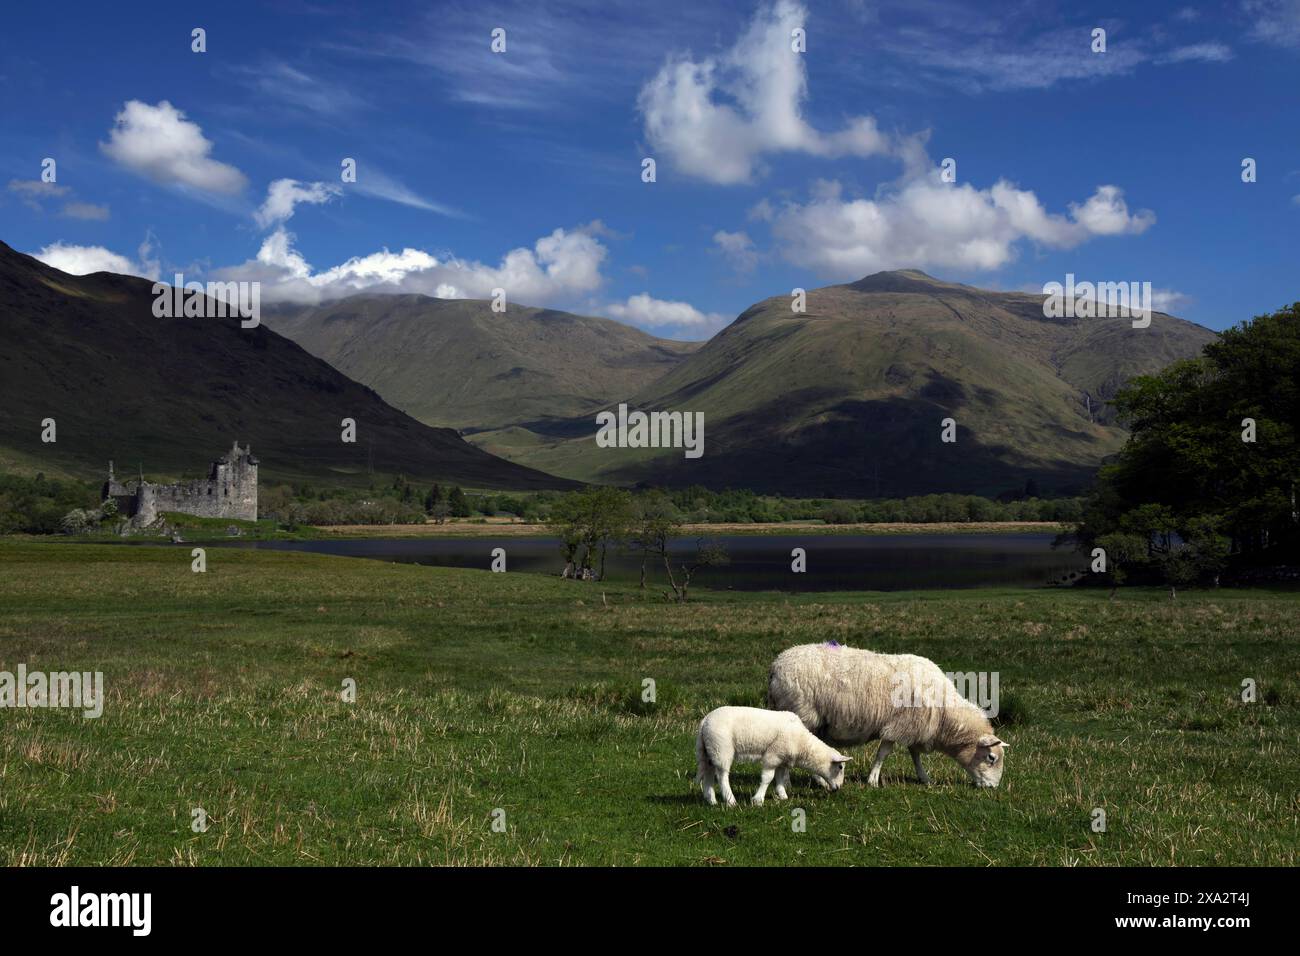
{"x":774,"y":168}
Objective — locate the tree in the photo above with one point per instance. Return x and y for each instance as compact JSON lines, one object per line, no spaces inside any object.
{"x":587,"y":522}
{"x":458,"y":503}
{"x":656,"y":522}
{"x":1189,"y":460}
{"x":708,"y":554}
{"x":434,"y":498}
{"x":1122,"y":551}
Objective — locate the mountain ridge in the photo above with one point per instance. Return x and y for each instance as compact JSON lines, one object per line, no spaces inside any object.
{"x":847,"y":397}
{"x":526,"y":363}
{"x":119,"y":383}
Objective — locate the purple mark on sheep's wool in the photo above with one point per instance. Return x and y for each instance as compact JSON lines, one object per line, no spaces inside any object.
{"x":832,"y":644}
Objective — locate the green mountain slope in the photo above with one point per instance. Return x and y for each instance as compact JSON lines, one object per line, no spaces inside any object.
{"x":848,"y":398}
{"x":455,"y":362}
{"x":173,"y":393}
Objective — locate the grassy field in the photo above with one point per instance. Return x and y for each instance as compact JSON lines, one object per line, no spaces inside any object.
{"x":479,"y":692}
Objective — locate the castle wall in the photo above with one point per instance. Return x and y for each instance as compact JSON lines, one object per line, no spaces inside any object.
{"x":229,"y":491}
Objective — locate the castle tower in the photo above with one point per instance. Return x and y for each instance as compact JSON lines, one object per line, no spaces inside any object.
{"x":238,"y":480}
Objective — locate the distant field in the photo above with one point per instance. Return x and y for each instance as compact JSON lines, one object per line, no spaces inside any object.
{"x":495,"y":527}
{"x":478,"y":692}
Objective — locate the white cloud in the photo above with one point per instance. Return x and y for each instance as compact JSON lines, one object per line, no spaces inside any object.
{"x":277,"y":80}
{"x":1196,"y":52}
{"x":371,"y":182}
{"x":558,"y":266}
{"x":32,"y":191}
{"x":1106,"y":214}
{"x":283,"y":194}
{"x":737,"y":248}
{"x":921,"y":222}
{"x":766,"y":83}
{"x":158,"y":142}
{"x":645,"y":310}
{"x":85,"y":210}
{"x":1169,"y":300}
{"x":1275,"y":21}
{"x":83,"y":260}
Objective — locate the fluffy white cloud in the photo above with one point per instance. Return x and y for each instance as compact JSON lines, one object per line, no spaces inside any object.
{"x":283,"y":194}
{"x":766,"y":83}
{"x":560,"y":265}
{"x":1106,"y":214}
{"x":1170,"y":301}
{"x":923,"y":222}
{"x":83,"y":260}
{"x":659,"y":313}
{"x":158,"y":142}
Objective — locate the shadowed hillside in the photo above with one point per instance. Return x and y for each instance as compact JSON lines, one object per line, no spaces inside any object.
{"x":173,"y":393}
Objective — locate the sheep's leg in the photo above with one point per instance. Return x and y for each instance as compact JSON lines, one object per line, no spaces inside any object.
{"x":763,"y":783}
{"x":782,"y":781}
{"x":920,"y":771}
{"x":724,"y":779}
{"x":886,"y":746}
{"x":707,"y":783}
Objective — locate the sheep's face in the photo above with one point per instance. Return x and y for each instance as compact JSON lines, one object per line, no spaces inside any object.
{"x":833,"y":775}
{"x":986,"y":762}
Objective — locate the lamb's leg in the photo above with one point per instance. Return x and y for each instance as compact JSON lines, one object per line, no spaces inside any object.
{"x":782,"y":781}
{"x":763,"y":783}
{"x":724,"y":779}
{"x":920,"y":771}
{"x":707,"y":783}
{"x":873,"y":779}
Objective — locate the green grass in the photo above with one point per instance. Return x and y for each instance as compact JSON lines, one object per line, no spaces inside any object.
{"x":479,"y":691}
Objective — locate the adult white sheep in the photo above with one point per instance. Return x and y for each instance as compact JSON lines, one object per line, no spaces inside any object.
{"x":775,"y":739}
{"x":848,"y":696}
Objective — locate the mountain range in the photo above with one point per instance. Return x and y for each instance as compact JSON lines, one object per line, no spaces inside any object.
{"x":846,"y":398}
{"x":170,"y":394}
{"x":456,"y":362}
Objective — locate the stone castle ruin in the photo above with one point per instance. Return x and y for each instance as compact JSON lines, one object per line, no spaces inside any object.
{"x":229,"y":491}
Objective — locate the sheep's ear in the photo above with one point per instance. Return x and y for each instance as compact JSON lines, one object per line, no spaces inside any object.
{"x":991,"y":741}
{"x":840,"y":758}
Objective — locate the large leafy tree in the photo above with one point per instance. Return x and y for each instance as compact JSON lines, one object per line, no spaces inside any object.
{"x":1186,"y":482}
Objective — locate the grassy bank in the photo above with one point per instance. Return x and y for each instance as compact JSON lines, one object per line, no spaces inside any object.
{"x":478,"y":692}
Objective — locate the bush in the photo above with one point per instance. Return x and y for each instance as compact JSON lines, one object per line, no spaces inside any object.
{"x":840,"y":512}
{"x":80,"y":520}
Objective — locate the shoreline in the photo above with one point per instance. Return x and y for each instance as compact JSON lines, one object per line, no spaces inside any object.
{"x":499,"y":528}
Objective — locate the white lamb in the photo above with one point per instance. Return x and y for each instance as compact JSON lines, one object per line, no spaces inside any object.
{"x":776,"y":739}
{"x":848,"y":696}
